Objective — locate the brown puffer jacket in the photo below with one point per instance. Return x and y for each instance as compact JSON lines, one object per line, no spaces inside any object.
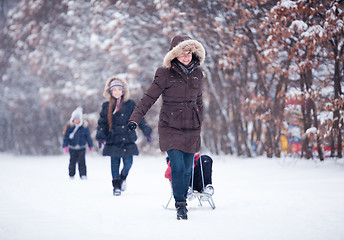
{"x":181,"y":113}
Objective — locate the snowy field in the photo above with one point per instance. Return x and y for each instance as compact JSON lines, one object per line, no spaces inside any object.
{"x":260,"y":198}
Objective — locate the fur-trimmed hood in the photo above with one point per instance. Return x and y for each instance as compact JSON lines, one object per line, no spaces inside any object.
{"x":181,"y":44}
{"x":107,"y":93}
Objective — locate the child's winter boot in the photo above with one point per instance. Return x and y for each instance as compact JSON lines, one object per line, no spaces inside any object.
{"x":123,"y":182}
{"x":116,"y":183}
{"x":181,"y":211}
{"x":209,"y":189}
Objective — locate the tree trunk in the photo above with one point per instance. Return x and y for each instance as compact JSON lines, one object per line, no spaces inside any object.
{"x":337,"y":94}
{"x":316,"y":125}
{"x":305,"y":84}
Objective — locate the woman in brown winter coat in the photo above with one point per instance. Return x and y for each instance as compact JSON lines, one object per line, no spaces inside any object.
{"x":179,"y":82}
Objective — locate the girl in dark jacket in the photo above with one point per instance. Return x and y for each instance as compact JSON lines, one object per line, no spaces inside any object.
{"x":76,"y":136}
{"x":179,"y":82}
{"x":114,"y":132}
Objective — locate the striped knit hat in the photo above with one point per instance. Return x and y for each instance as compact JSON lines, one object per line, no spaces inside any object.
{"x":116,"y":83}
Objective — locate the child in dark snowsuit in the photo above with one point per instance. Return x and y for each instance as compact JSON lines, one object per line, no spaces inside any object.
{"x":76,"y":136}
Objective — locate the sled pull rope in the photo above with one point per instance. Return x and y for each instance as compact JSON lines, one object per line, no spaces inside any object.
{"x":200,"y":159}
{"x":193,"y":173}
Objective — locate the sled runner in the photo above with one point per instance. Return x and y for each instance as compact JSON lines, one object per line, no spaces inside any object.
{"x":200,"y":192}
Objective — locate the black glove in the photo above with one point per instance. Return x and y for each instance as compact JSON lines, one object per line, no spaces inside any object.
{"x":132,"y":125}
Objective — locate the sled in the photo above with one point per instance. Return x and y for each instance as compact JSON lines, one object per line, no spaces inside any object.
{"x":200,"y":196}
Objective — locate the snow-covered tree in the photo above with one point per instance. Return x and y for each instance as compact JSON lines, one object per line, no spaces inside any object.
{"x":261,"y":56}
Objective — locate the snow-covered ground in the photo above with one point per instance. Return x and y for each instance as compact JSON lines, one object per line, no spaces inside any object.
{"x":255,"y":199}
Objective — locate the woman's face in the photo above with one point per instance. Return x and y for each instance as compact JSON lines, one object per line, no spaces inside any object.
{"x":116,"y":92}
{"x":185,"y":58}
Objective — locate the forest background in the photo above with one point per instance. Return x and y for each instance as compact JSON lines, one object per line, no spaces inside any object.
{"x":273,"y":70}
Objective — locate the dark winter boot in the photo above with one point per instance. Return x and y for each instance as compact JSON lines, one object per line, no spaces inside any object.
{"x":123,"y":182}
{"x":116,"y":183}
{"x":181,"y":210}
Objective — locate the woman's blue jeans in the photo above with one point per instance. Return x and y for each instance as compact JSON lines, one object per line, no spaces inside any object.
{"x":181,"y":168}
{"x":115,"y":164}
